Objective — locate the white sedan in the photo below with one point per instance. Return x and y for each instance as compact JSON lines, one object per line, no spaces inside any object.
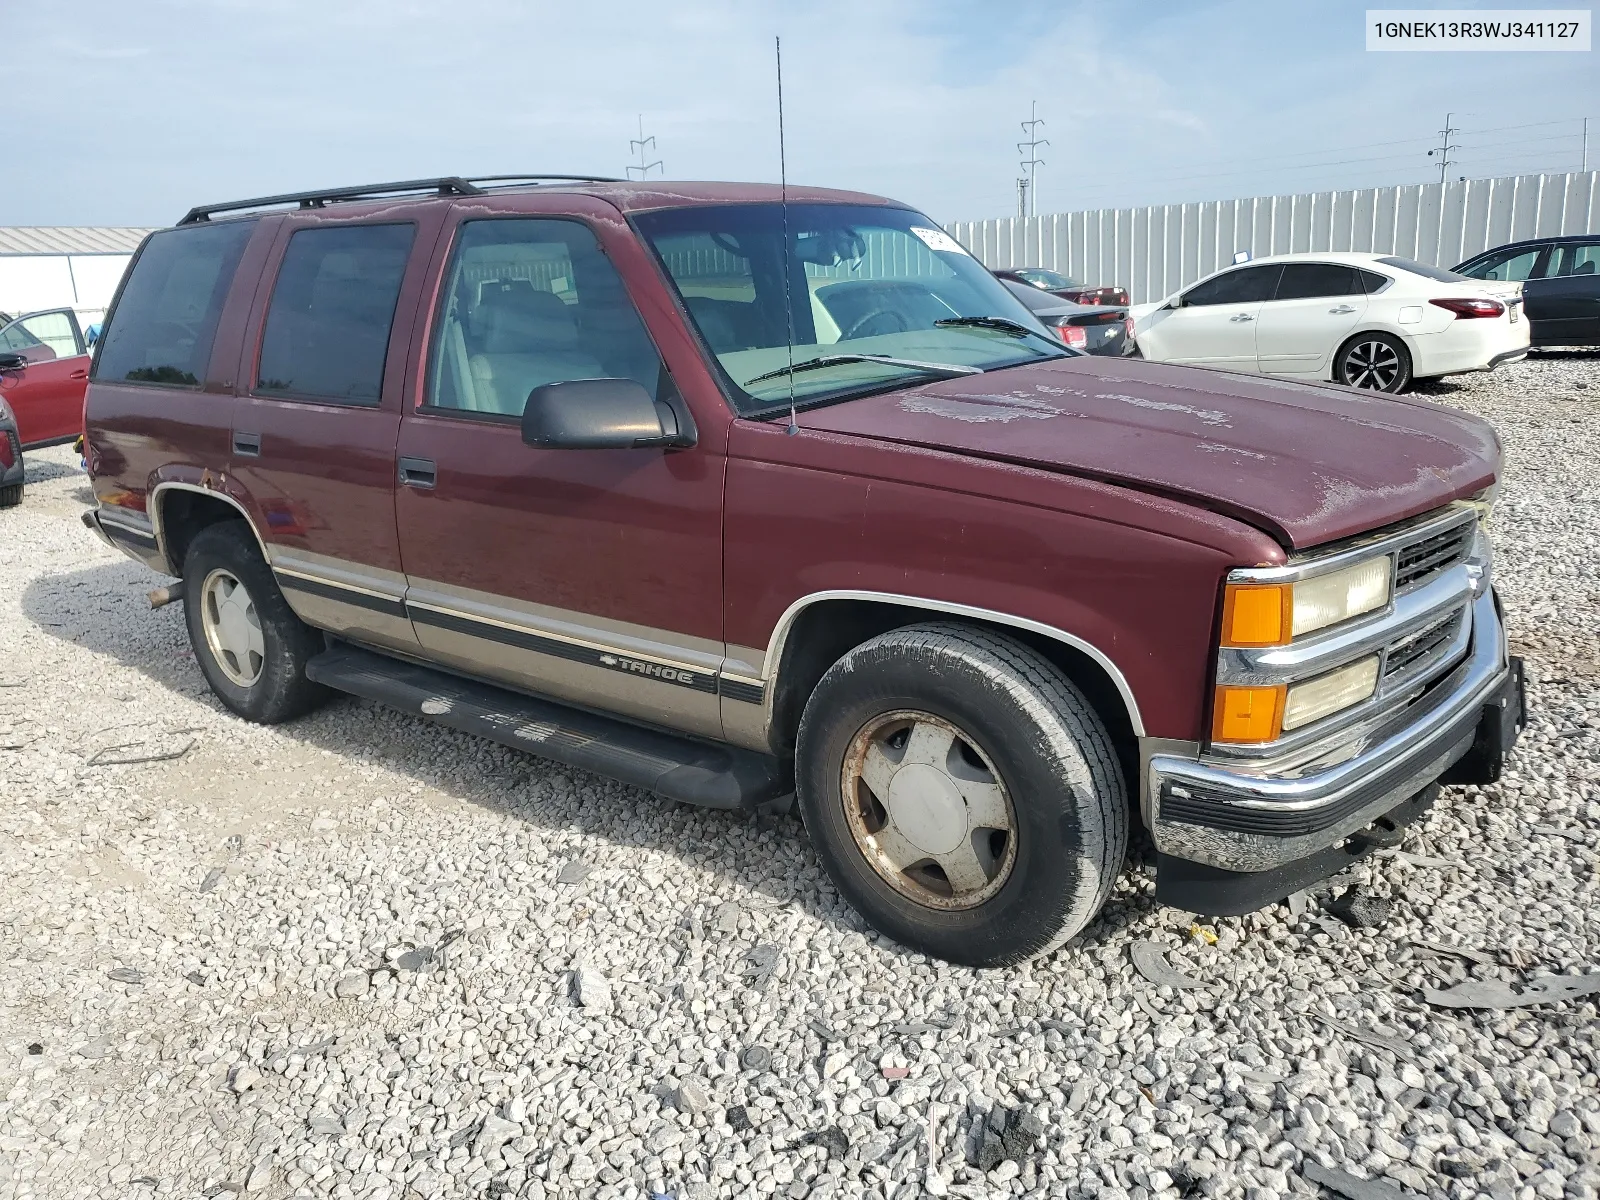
{"x":1367,"y":320}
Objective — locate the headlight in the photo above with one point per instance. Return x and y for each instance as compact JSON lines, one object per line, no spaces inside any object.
{"x":1255,"y":614}
{"x":1244,"y":715}
{"x":5,"y":411}
{"x":1317,"y":698}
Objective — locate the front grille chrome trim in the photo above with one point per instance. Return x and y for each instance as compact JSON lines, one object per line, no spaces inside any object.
{"x":1440,"y":593}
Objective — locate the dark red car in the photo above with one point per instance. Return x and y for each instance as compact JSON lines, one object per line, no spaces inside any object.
{"x":733,"y":499}
{"x":1065,"y":286}
{"x":44,"y":369}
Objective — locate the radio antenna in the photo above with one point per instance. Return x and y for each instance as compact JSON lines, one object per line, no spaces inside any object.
{"x":783,"y":206}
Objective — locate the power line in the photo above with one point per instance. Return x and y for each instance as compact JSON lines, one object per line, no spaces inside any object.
{"x":1532,"y":125}
{"x":1549,"y":137}
{"x":1280,"y":161}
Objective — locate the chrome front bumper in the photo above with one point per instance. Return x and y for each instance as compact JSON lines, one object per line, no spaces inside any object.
{"x":1223,"y":816}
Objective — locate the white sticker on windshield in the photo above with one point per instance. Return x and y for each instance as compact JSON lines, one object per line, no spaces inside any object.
{"x":937,"y":239}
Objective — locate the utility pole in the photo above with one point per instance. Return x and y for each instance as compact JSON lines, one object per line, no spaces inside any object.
{"x":638,"y":146}
{"x":1585,"y":161}
{"x":1443,"y":152}
{"x":1027,"y":192}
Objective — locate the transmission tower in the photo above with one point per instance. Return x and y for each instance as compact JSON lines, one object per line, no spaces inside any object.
{"x":638,"y":146}
{"x":1027,"y":189}
{"x":1442,"y":153}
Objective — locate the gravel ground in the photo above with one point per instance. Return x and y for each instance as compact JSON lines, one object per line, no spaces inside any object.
{"x":364,"y":956}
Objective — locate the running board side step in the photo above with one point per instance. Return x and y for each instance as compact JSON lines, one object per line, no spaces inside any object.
{"x":670,"y":765}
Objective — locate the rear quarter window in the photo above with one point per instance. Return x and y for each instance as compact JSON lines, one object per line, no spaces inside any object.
{"x":162,"y":326}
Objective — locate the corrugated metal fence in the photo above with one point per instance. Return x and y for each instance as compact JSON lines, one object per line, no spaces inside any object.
{"x":1156,"y":251}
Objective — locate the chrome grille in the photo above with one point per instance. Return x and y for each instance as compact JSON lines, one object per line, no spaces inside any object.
{"x":1422,"y":560}
{"x":1404,"y":655}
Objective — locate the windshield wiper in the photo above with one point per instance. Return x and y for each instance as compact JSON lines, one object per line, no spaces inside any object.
{"x":1003,"y":324}
{"x":942,"y":370}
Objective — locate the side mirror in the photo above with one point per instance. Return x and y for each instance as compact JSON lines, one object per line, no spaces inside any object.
{"x":13,"y":362}
{"x":598,"y":414}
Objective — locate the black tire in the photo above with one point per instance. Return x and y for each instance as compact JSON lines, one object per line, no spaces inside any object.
{"x":11,"y":496}
{"x":279,"y":690}
{"x":1044,"y":744}
{"x":1373,"y":361}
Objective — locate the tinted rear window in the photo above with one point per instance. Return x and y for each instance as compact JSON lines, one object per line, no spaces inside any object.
{"x":328,"y":324}
{"x":166,"y":317}
{"x":1423,"y":269}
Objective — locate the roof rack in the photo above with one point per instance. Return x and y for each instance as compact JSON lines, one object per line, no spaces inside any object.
{"x":542,"y":179}
{"x":449,"y":185}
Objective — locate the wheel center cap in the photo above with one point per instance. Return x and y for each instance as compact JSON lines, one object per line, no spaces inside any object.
{"x":927,"y":809}
{"x":235,"y":625}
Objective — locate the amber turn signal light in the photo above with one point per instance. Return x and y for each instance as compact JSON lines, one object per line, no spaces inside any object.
{"x":1256,"y":614}
{"x":1247,"y":714}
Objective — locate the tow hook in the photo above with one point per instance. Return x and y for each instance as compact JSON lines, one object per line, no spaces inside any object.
{"x":162,"y":596}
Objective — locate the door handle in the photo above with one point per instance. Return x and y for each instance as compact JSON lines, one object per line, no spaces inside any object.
{"x":1342,"y":309}
{"x":247,"y":445}
{"x":417,"y":472}
{"x":80,"y":373}
{"x":1237,"y":317}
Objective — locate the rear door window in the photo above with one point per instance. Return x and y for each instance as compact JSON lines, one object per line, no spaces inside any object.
{"x":1247,"y":285}
{"x":1582,"y":258}
{"x":1305,"y":281}
{"x":327,"y":329}
{"x":161,"y":328}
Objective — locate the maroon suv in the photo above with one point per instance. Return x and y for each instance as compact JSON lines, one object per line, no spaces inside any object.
{"x":732,"y":499}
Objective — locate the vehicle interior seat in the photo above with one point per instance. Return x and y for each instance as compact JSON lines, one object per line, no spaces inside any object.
{"x":1585,"y":268}
{"x":523,"y":338}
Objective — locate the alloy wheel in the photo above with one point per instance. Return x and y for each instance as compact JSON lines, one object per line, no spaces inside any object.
{"x":1371,"y":364}
{"x":929,"y":811}
{"x":232,"y":627}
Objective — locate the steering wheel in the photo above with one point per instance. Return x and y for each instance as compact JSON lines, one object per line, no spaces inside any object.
{"x":889,"y":320}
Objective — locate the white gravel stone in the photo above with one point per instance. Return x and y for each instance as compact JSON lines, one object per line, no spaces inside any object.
{"x":356,"y":835}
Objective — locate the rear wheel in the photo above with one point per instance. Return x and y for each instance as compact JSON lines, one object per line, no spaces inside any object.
{"x":11,"y":496}
{"x":961,"y":793}
{"x":250,"y":646}
{"x":1378,"y":362}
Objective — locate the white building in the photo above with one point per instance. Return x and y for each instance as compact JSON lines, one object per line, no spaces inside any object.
{"x":63,"y":267}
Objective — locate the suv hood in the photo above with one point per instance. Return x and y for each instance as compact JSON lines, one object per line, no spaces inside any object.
{"x":1308,"y":463}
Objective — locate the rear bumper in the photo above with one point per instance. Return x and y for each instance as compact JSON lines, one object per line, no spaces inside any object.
{"x":1226,"y":820}
{"x":128,"y":531}
{"x":1475,"y":345}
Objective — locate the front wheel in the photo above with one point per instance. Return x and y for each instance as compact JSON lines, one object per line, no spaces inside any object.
{"x":962,"y":794}
{"x":11,"y":496}
{"x":1378,"y":362}
{"x":250,"y":646}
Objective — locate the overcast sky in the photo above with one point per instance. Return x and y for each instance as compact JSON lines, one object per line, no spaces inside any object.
{"x":132,"y":112}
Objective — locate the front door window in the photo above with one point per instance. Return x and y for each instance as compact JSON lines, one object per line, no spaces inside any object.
{"x":531,"y":301}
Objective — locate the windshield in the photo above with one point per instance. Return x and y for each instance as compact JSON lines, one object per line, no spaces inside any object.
{"x":1052,"y":280}
{"x":863,"y":281}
